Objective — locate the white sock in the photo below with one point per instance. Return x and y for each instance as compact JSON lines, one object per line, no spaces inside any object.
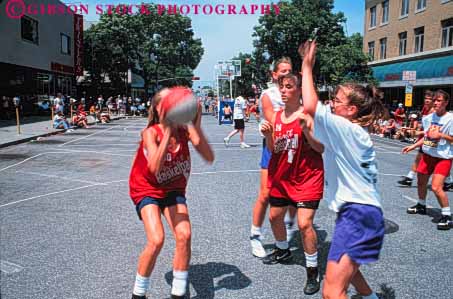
{"x":446,"y":211}
{"x":141,"y":285}
{"x":411,"y":175}
{"x":179,"y":284}
{"x":422,"y":201}
{"x":289,"y":219}
{"x":371,"y":296}
{"x":282,"y":244}
{"x":255,"y":230}
{"x":311,"y":259}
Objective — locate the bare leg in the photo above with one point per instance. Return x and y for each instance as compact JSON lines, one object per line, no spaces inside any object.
{"x":437,"y":185}
{"x":178,"y":219}
{"x":259,"y":211}
{"x":422,"y":185}
{"x":276,"y":217}
{"x":338,"y":277}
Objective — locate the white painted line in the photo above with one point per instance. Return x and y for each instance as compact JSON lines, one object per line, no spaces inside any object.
{"x":47,"y":194}
{"x":222,"y":143}
{"x":83,"y":137}
{"x":390,"y":174}
{"x":58,"y":177}
{"x":105,"y":144}
{"x":226,"y":171}
{"x":25,"y":160}
{"x":96,"y":152}
{"x":9,"y":268}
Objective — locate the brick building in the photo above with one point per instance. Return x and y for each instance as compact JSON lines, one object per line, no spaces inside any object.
{"x":410,"y":35}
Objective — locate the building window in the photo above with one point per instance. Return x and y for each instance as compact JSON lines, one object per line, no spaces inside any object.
{"x":404,"y":8}
{"x":65,"y":44}
{"x":29,"y":29}
{"x":421,"y":5}
{"x":419,"y":37}
{"x":371,"y":50}
{"x":373,"y":17}
{"x":385,"y":12}
{"x":403,"y":43}
{"x":447,"y":33}
{"x":383,"y":46}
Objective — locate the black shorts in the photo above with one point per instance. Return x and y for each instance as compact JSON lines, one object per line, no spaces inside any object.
{"x":172,"y":199}
{"x":227,"y":116}
{"x":239,"y":124}
{"x":284,"y":202}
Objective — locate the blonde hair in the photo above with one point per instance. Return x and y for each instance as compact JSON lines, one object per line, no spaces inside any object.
{"x":153,"y":115}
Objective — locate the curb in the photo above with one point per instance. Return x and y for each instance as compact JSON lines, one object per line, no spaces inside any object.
{"x":24,"y":140}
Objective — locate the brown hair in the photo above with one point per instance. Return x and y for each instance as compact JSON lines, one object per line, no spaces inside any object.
{"x":153,"y":115}
{"x":429,"y":93}
{"x":443,"y":94}
{"x":295,"y":77}
{"x":367,"y":99}
{"x":283,"y":59}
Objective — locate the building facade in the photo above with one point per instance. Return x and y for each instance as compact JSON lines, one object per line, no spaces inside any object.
{"x":40,"y":54}
{"x":410,"y":35}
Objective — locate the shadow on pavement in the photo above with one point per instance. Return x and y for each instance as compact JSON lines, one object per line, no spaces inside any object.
{"x":208,"y":278}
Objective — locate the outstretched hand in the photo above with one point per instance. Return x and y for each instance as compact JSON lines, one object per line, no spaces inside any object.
{"x":267,"y":129}
{"x":307,"y":52}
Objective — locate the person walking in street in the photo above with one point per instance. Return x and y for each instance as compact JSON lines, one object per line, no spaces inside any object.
{"x":239,"y":122}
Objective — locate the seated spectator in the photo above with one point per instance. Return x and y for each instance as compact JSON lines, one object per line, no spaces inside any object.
{"x":80,"y":119}
{"x":60,"y":122}
{"x":227,"y":113}
{"x":390,"y":129}
{"x":105,"y":117}
{"x":408,"y":133}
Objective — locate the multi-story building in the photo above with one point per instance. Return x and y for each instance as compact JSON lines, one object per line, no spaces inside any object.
{"x":40,"y":52}
{"x":410,"y":35}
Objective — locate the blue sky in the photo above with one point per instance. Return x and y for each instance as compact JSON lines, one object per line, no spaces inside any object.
{"x":224,"y":36}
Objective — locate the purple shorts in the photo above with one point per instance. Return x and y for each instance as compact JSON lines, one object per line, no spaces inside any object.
{"x":359,"y":233}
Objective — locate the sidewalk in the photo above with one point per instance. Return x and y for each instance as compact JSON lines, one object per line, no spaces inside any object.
{"x":29,"y":131}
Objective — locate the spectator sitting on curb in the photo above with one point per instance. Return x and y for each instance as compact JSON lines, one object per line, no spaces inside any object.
{"x":105,"y":117}
{"x":80,"y":119}
{"x":60,"y":122}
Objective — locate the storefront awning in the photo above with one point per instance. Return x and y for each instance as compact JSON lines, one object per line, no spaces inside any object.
{"x":430,"y":71}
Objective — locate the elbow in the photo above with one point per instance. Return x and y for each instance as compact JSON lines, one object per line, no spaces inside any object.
{"x":210,"y":157}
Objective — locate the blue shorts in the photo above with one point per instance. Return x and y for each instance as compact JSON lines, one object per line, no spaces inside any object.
{"x":265,"y":156}
{"x":359,"y":233}
{"x":173,"y":198}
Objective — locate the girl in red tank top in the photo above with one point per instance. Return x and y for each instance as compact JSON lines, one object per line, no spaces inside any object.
{"x":157,"y":184}
{"x":296,"y":177}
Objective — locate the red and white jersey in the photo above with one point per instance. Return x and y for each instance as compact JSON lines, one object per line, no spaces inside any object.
{"x":296,"y":170}
{"x":173,"y":175}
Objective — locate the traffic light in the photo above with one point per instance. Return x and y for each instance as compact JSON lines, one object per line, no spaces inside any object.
{"x":195,"y":78}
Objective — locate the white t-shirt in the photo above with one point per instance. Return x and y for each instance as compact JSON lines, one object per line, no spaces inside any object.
{"x":439,"y":148}
{"x":276,"y":99}
{"x":239,"y":106}
{"x":349,"y":160}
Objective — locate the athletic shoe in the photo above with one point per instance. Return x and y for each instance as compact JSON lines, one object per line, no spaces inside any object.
{"x":312,"y":284}
{"x":291,"y":230}
{"x":257,"y":247}
{"x":445,"y":223}
{"x":226,"y":141}
{"x":405,"y":181}
{"x":417,"y":209}
{"x":244,"y":145}
{"x":277,"y":256}
{"x":448,"y":186}
{"x":177,"y":297}
{"x":138,"y":297}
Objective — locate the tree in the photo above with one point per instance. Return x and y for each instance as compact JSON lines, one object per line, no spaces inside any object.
{"x":280,"y":35}
{"x":159,"y":48}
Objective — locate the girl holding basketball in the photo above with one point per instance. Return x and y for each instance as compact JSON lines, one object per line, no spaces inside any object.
{"x":296,"y":178}
{"x":158,"y":182}
{"x":351,"y":176}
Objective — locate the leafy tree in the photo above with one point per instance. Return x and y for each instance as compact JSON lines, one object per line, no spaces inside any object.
{"x":155,"y":47}
{"x":339,"y":57}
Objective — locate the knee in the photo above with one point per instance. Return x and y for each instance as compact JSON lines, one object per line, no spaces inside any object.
{"x":183,"y":235}
{"x":305,"y":225}
{"x":437,"y":188}
{"x":155,"y":242}
{"x":330,"y":293}
{"x":275,"y":218}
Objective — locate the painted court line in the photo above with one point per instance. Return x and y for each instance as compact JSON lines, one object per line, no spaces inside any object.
{"x":58,"y":177}
{"x":9,"y":268}
{"x":83,"y":137}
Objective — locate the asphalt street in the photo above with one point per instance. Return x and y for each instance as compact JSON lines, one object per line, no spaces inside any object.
{"x":69,"y":228}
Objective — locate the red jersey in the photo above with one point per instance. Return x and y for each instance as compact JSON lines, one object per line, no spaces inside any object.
{"x":426,"y":110}
{"x":173,"y":175}
{"x":296,"y":170}
{"x":399,"y":119}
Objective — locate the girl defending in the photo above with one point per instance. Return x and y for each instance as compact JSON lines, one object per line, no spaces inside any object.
{"x":351,"y":175}
{"x":158,"y":182}
{"x":296,"y":178}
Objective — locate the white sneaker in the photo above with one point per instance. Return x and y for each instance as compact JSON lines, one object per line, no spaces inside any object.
{"x":226,"y":140}
{"x":257,"y":247}
{"x":291,"y":230}
{"x":244,"y":145}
